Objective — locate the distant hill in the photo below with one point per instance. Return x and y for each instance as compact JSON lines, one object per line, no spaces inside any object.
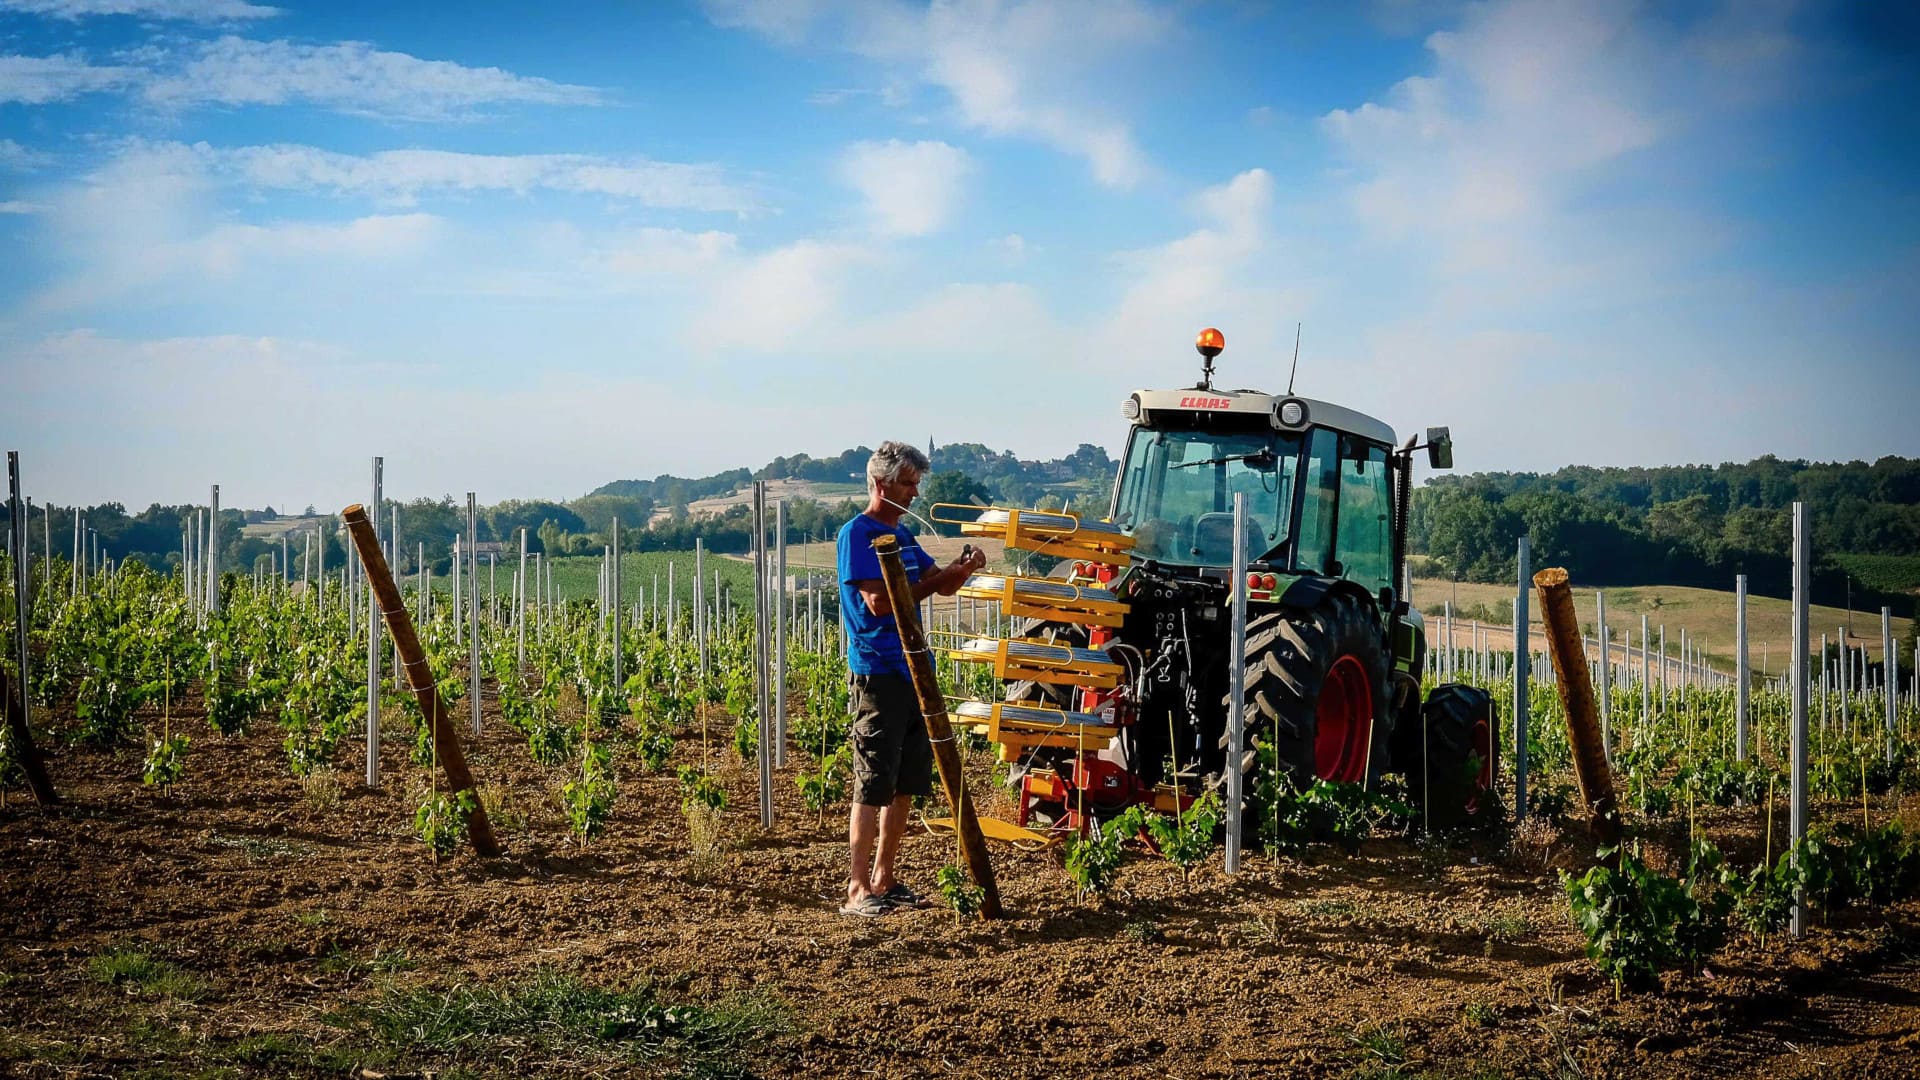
{"x":1005,"y":477}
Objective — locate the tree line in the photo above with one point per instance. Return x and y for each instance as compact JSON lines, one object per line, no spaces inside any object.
{"x":1677,"y":525}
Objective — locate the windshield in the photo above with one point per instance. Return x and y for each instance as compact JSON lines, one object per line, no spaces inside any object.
{"x":1176,"y":493}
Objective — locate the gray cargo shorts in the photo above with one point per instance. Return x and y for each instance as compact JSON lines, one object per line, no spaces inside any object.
{"x":891,"y":755}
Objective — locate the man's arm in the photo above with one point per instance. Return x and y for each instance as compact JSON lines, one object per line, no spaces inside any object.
{"x":946,"y":581}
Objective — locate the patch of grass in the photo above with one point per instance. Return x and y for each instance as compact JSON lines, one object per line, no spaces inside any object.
{"x":322,"y":788}
{"x":557,"y":1015}
{"x":16,"y":1048}
{"x":266,"y":1051}
{"x":501,"y":811}
{"x":383,"y":961}
{"x":258,"y":848}
{"x":1143,"y":930}
{"x":1262,"y":930}
{"x":1509,"y":925}
{"x":141,"y":972}
{"x":1381,"y":1044}
{"x":312,"y":919}
{"x":1480,"y":1014}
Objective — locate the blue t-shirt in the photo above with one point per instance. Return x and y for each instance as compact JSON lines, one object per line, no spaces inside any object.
{"x":873,"y":641}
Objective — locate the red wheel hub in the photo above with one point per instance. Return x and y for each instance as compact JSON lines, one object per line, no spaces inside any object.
{"x":1482,"y":743}
{"x":1343,"y":723}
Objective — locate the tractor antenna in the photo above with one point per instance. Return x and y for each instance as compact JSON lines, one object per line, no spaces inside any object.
{"x":1296,"y":357}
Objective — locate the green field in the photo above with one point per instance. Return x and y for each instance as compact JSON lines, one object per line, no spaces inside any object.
{"x":1888,"y":573}
{"x":577,"y":577}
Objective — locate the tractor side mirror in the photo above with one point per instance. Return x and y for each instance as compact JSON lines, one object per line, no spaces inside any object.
{"x":1439,"y":448}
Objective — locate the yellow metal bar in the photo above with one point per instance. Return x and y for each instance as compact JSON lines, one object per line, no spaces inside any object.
{"x":1018,"y":597}
{"x":1066,"y":670}
{"x":1019,"y":531}
{"x":995,"y":829}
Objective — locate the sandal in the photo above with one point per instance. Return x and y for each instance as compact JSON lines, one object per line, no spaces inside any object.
{"x":867,"y":907}
{"x":902,"y":897}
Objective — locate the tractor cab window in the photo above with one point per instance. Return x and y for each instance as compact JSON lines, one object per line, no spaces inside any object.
{"x":1365,"y":545}
{"x":1321,"y":484}
{"x":1177,"y":488}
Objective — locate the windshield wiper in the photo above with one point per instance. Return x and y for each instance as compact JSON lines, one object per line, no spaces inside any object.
{"x":1260,"y":459}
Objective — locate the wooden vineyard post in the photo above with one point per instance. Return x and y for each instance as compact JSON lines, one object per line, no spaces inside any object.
{"x":933,"y":708}
{"x":32,"y":764}
{"x":413,"y":660}
{"x":1576,"y":697}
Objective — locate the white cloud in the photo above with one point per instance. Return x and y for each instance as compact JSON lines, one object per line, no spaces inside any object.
{"x":769,"y":301}
{"x":38,"y":80}
{"x":911,"y":188}
{"x":669,"y":253}
{"x":1528,"y":103}
{"x":182,"y":10}
{"x":17,"y":158}
{"x":403,"y":175}
{"x":350,"y":76}
{"x":15,"y":206}
{"x":146,"y":224}
{"x":1040,"y":69}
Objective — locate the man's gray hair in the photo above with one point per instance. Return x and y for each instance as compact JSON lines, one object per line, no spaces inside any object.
{"x":886,"y":462}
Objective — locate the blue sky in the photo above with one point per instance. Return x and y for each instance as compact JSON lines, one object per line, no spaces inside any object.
{"x":525,"y":249}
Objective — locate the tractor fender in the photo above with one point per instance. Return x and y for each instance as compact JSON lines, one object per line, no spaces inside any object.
{"x":1307,"y":592}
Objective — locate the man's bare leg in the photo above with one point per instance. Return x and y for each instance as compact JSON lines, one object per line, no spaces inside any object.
{"x":863,"y":824}
{"x":893,"y":825}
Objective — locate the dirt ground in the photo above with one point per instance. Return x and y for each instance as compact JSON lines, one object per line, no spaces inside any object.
{"x":269,"y":912}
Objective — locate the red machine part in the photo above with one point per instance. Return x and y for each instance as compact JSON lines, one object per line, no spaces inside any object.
{"x":1091,"y":782}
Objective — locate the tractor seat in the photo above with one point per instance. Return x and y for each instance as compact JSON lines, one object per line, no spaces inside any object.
{"x":1213,"y":539}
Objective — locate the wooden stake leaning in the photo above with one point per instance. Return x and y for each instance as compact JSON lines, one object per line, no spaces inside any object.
{"x":1576,"y":697}
{"x":933,"y":708}
{"x":419,"y":677}
{"x":32,"y":761}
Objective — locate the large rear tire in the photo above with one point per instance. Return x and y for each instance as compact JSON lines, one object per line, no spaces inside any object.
{"x":1451,"y":771}
{"x":1316,"y":686}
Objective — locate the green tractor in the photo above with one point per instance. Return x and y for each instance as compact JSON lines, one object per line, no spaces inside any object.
{"x":1333,"y":652}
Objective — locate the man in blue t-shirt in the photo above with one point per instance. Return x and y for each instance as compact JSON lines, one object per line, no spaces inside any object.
{"x":892,"y":761}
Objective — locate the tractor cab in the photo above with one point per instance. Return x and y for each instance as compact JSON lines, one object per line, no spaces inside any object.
{"x":1319,"y":481}
{"x":1316,"y":478}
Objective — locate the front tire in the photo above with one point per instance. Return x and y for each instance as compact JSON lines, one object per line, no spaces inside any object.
{"x":1451,"y":771}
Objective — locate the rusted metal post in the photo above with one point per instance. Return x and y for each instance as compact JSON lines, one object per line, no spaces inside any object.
{"x":419,"y":677}
{"x":1576,"y":698}
{"x":933,"y":708}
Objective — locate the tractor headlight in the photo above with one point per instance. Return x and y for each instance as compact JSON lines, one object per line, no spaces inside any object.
{"x":1130,"y":408}
{"x":1291,"y":413}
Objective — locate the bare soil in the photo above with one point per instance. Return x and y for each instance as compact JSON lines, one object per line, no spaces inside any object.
{"x":280,"y":911}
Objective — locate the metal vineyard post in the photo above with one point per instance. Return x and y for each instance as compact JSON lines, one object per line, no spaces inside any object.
{"x":1740,"y":667}
{"x":780,"y":632}
{"x":373,"y":645}
{"x":1237,"y":686}
{"x":1520,"y":702}
{"x":1801,"y":558}
{"x":473,"y":613}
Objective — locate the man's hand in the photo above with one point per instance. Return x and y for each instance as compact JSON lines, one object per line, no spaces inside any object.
{"x":959,"y":570}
